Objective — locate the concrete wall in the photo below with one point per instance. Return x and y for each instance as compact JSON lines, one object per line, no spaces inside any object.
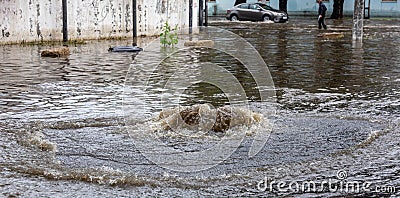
{"x":310,"y":7}
{"x":152,"y":14}
{"x":41,"y":20}
{"x":378,"y":8}
{"x":219,"y":7}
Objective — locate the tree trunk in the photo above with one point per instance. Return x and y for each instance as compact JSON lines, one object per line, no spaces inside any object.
{"x":239,"y":2}
{"x":341,"y":9}
{"x":283,"y":5}
{"x":337,"y":9}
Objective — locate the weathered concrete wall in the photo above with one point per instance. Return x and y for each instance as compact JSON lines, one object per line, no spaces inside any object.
{"x":41,"y":20}
{"x":29,"y":20}
{"x":154,"y":13}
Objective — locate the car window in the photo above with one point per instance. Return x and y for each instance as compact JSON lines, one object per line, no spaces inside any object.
{"x":267,"y":7}
{"x":244,"y":6}
{"x":254,"y":7}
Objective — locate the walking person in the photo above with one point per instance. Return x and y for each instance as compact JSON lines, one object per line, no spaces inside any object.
{"x":321,"y":15}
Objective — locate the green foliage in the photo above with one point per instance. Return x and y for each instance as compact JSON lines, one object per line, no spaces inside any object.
{"x":169,"y":36}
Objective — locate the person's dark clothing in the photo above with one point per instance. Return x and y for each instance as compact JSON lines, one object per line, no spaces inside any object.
{"x":321,"y":23}
{"x":322,"y":12}
{"x":322,"y":9}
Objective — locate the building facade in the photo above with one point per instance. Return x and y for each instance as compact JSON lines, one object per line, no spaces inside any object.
{"x":379,"y":8}
{"x":42,"y":20}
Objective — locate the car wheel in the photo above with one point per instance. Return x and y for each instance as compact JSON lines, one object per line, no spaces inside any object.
{"x":234,"y":18}
{"x":276,"y":20}
{"x":266,"y":18}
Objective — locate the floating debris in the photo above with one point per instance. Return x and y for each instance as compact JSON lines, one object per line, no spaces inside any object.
{"x":56,"y":52}
{"x":199,"y":43}
{"x":333,"y":35}
{"x":125,"y":49}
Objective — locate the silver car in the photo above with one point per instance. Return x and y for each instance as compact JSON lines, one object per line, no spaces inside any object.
{"x":256,"y":12}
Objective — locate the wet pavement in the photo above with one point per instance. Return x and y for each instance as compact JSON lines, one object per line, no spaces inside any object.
{"x":63,"y":131}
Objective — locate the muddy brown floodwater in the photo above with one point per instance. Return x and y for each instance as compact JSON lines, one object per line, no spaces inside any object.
{"x":63,"y":134}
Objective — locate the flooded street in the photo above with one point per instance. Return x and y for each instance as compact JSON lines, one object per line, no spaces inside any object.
{"x":63,"y":121}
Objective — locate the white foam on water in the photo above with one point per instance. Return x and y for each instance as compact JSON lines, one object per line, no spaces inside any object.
{"x":35,"y":138}
{"x":204,"y":122}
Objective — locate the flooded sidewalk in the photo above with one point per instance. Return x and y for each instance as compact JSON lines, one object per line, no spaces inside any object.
{"x":63,"y":130}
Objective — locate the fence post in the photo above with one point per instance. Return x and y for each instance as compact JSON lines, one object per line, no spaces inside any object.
{"x":201,"y":11}
{"x":134,"y":22}
{"x":65,"y":20}
{"x":206,"y":13}
{"x":190,"y":16}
